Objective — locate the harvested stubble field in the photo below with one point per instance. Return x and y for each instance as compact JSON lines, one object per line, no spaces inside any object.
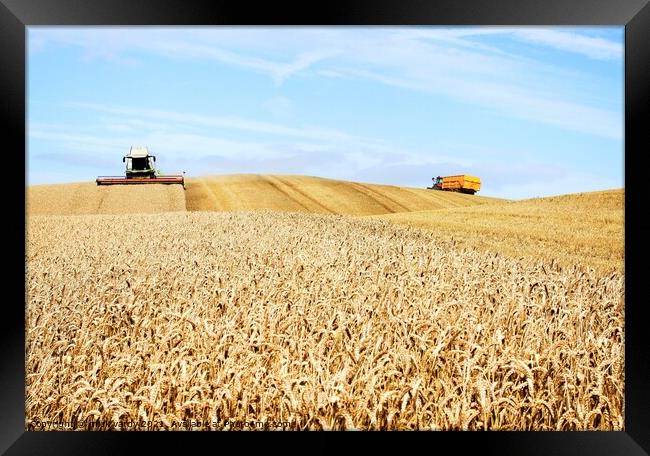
{"x":310,"y":194}
{"x":89,"y":198}
{"x":324,"y":321}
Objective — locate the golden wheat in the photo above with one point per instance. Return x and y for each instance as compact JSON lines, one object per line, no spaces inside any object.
{"x":582,"y":228}
{"x":323,"y":322}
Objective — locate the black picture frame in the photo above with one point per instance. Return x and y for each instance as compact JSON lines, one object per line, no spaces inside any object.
{"x":17,"y":15}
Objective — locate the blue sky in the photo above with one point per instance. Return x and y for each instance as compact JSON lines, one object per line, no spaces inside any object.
{"x":533,"y":111}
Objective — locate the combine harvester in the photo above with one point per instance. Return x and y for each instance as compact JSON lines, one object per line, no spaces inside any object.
{"x":140,"y":170}
{"x":462,"y":183}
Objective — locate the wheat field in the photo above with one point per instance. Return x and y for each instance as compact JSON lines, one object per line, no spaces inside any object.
{"x":581,"y":228}
{"x":321,"y":321}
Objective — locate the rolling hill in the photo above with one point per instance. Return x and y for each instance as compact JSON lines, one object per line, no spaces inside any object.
{"x":315,"y":195}
{"x":242,"y":192}
{"x":581,"y":228}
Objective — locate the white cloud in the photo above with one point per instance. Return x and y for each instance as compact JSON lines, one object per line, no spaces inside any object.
{"x":302,"y":62}
{"x":436,"y":62}
{"x":206,"y":153}
{"x":447,"y":62}
{"x":569,"y":41}
{"x":188,"y":140}
{"x":114,"y":44}
{"x":160,"y":119}
{"x":514,"y":102}
{"x":592,"y":47}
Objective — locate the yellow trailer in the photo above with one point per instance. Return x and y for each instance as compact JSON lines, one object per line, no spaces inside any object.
{"x":461,"y":183}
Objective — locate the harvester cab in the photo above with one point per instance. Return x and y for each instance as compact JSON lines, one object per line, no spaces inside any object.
{"x":139,"y":163}
{"x":437,"y":183}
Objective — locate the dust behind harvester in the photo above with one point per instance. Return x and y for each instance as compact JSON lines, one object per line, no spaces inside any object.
{"x":140,"y":169}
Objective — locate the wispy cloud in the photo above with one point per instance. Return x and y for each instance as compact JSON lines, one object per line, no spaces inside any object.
{"x":446,"y":62}
{"x":114,"y":45}
{"x":592,"y":47}
{"x":205,"y":153}
{"x":161,"y":119}
{"x":513,"y":102}
{"x":278,"y":70}
{"x":200,"y":145}
{"x":569,"y":41}
{"x":464,"y":68}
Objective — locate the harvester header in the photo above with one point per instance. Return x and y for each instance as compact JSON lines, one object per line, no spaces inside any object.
{"x":140,"y":169}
